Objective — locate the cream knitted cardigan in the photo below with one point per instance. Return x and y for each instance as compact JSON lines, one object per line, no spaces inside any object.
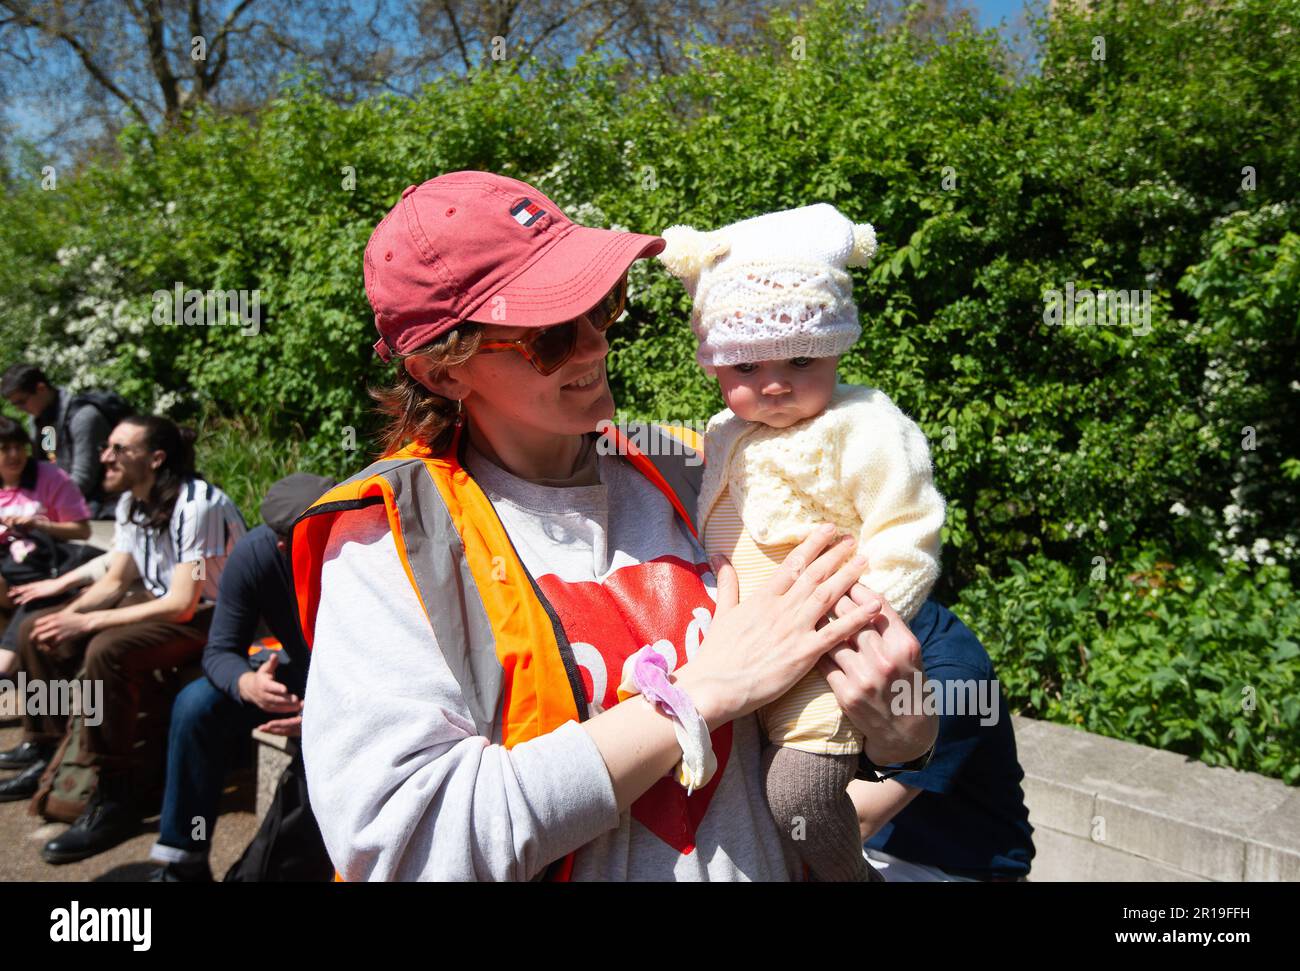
{"x":861,"y":465}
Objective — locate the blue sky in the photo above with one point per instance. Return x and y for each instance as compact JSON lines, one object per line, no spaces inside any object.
{"x":991,"y":11}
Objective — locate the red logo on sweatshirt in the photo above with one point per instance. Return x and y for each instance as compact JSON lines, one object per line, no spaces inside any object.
{"x":662,"y":603}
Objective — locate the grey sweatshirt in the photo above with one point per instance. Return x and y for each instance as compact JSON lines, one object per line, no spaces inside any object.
{"x":403,"y":787}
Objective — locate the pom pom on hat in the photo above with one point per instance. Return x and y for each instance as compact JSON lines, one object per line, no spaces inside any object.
{"x":864,"y":244}
{"x":689,"y":252}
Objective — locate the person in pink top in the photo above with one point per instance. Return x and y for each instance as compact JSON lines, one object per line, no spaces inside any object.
{"x":41,"y":508}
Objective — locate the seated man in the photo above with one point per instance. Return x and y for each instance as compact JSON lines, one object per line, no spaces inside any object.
{"x":150,"y":611}
{"x":962,"y":816}
{"x":213,"y":716}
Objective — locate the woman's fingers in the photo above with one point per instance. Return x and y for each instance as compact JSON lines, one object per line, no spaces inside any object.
{"x":898,"y":646}
{"x":868,"y":673}
{"x":799,"y":558}
{"x":835,"y":677}
{"x":853,"y":626}
{"x":856,"y":655}
{"x":859,"y":595}
{"x":825,"y":582}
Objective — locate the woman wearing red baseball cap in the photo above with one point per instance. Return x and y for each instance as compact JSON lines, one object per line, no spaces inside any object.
{"x":476,"y":598}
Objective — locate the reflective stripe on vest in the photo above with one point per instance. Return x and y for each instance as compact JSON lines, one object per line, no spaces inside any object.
{"x":674,"y":456}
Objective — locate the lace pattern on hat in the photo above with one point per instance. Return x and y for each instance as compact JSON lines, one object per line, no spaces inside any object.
{"x":763,"y":310}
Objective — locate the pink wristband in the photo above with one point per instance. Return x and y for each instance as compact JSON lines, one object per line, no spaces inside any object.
{"x":650,"y":677}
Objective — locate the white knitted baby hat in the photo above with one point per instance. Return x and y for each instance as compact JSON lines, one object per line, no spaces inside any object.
{"x":772,"y":287}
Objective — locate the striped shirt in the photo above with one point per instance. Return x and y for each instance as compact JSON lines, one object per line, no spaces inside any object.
{"x":807,"y":717}
{"x":205,"y":525}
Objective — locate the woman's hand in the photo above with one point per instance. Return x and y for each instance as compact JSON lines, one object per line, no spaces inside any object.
{"x":869,"y":671}
{"x":38,"y":590}
{"x":753,"y":655}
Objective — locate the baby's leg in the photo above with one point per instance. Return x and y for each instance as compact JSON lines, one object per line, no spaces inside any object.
{"x":807,"y":798}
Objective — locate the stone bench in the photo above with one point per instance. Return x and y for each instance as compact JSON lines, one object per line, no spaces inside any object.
{"x":1106,"y":810}
{"x":100,"y":541}
{"x":274,"y":753}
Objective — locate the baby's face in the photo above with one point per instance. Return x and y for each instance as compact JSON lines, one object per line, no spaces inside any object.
{"x":779,"y":393}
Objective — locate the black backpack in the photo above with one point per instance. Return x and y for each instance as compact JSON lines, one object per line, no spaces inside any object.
{"x":114,"y":408}
{"x":288,"y":847}
{"x":109,"y":403}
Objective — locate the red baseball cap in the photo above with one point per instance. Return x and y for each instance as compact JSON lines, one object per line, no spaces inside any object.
{"x":490,"y":249}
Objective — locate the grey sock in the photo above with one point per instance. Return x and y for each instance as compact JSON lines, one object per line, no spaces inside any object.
{"x":806,"y":795}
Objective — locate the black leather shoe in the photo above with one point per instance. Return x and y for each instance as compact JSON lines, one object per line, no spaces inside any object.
{"x":24,"y":784}
{"x":25,"y":754}
{"x":182,"y":873}
{"x":105,"y":823}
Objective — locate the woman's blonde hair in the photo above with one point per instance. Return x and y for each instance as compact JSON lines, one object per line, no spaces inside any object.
{"x":414,"y":412}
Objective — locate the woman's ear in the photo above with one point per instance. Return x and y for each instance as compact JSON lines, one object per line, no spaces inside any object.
{"x":438,"y":380}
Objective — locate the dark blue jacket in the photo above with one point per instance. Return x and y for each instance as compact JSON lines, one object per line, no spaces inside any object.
{"x":255,"y":594}
{"x":971,"y":819}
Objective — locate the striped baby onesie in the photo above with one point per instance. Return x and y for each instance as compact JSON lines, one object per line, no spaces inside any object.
{"x":807,"y":717}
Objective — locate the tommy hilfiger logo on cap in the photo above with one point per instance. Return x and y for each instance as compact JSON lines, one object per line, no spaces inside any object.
{"x":527,"y":212}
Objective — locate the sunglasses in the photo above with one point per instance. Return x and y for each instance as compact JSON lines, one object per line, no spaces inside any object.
{"x":549,"y":348}
{"x":117,"y":449}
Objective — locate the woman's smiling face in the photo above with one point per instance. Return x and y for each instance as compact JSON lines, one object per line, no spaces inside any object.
{"x":505,"y":391}
{"x":779,"y":393}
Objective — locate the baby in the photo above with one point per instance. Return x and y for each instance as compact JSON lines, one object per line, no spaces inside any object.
{"x":773,"y":311}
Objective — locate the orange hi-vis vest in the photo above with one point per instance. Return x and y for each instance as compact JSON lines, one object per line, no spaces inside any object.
{"x":503,"y":643}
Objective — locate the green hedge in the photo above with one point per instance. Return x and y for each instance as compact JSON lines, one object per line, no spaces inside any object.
{"x":1191,"y":658}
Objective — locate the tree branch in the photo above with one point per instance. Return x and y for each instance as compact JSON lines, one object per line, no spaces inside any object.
{"x":219,"y":47}
{"x":199,"y":68}
{"x":558,"y":23}
{"x":25,"y":18}
{"x":460,"y":39}
{"x":156,"y":37}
